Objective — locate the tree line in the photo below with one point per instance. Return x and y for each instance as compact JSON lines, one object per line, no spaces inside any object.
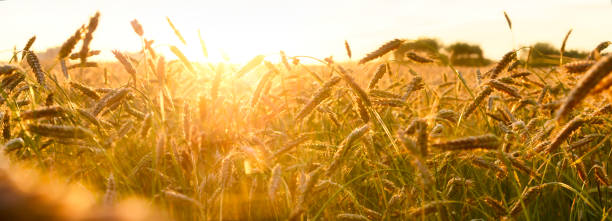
{"x":467,"y":54}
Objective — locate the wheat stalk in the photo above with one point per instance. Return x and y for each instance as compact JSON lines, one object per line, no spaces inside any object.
{"x":181,"y":197}
{"x":137,"y":27}
{"x":599,"y":70}
{"x":60,"y":131}
{"x":514,"y":65}
{"x":380,"y":72}
{"x":109,"y":99}
{"x":482,"y":163}
{"x":563,"y":46}
{"x":111,"y":191}
{"x":348,"y":49}
{"x":214,"y":89}
{"x":68,"y":46}
{"x":415,"y":84}
{"x":383,"y":94}
{"x":495,"y":84}
{"x":126,"y":64}
{"x":562,"y":135}
{"x":91,"y":27}
{"x":304,"y":190}
{"x":508,"y":20}
{"x":417,"y":58}
{"x":8,"y":69}
{"x":87,"y":91}
{"x":501,"y":65}
{"x":425,"y":210}
{"x":528,"y":195}
{"x":291,"y":145}
{"x":35,"y":65}
{"x":28,"y":46}
{"x":578,"y":66}
{"x":183,"y":59}
{"x":75,"y":56}
{"x":6,"y":125}
{"x":595,"y":54}
{"x":487,"y":141}
{"x":600,"y":175}
{"x":486,"y":91}
{"x":356,"y":88}
{"x":382,"y":50}
{"x":351,"y":216}
{"x":496,"y":205}
{"x":176,"y":31}
{"x":341,"y":153}
{"x":321,"y":94}
{"x":88,"y":116}
{"x":422,"y":136}
{"x":391,"y":102}
{"x":274,"y":183}
{"x":284,"y":60}
{"x":13,"y":144}
{"x":260,"y":86}
{"x":45,"y":112}
{"x":254,"y":62}
{"x":363,"y":112}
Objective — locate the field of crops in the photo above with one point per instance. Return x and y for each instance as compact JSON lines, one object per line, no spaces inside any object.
{"x":279,"y":137}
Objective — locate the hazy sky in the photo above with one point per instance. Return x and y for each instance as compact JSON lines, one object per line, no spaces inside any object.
{"x":243,"y":29}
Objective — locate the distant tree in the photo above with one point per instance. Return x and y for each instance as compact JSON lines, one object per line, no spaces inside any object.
{"x":48,"y":55}
{"x":576,"y":54}
{"x":430,"y":46}
{"x":465,"y":54}
{"x":543,"y":48}
{"x":545,"y":54}
{"x":460,"y":49}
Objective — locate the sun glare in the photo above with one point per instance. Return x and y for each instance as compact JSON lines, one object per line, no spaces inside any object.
{"x":305,"y":110}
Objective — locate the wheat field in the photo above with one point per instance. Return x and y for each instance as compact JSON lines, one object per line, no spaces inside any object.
{"x":373,"y":138}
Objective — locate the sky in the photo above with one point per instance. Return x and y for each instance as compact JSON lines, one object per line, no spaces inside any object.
{"x":242,"y":29}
